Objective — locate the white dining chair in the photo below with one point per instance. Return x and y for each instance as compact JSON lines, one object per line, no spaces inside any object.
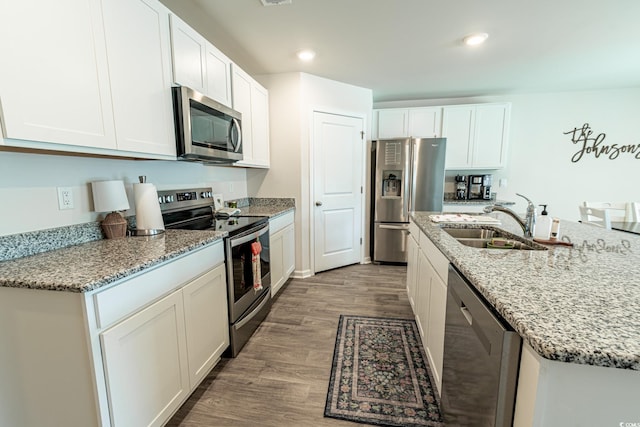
{"x":618,"y":211}
{"x":595,"y":216}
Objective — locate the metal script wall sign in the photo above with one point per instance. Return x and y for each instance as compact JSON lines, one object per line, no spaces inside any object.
{"x":594,"y":145}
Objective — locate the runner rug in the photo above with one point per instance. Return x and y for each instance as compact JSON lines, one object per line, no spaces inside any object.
{"x":380,"y":375}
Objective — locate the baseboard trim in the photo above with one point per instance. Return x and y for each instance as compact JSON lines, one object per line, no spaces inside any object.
{"x":297,"y":274}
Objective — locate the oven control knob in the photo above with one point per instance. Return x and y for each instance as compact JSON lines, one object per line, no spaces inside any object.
{"x":204,"y":195}
{"x":160,"y":199}
{"x":168,"y":199}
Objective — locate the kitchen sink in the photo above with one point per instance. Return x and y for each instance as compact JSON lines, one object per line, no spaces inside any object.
{"x":491,"y":238}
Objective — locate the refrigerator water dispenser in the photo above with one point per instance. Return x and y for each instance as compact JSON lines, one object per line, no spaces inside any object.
{"x":391,"y":184}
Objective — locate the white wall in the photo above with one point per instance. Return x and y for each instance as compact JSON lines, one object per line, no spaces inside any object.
{"x":29,"y":181}
{"x":292,"y":99}
{"x":539,"y":158}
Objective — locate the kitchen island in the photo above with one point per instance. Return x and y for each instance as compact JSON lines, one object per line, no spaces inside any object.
{"x":576,"y":311}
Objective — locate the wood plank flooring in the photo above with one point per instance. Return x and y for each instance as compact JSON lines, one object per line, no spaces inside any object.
{"x":280,"y":378}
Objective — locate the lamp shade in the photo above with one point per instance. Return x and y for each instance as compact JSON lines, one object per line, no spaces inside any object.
{"x":109,"y":196}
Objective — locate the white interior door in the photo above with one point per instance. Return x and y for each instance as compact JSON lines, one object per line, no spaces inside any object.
{"x":337,"y":164}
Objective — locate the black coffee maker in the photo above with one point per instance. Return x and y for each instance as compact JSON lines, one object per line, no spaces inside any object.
{"x":461,"y":187}
{"x":479,"y":187}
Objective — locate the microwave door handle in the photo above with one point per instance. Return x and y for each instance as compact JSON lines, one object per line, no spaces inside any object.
{"x":236,"y":124}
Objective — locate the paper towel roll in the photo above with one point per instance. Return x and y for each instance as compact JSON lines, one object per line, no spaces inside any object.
{"x":148,"y":215}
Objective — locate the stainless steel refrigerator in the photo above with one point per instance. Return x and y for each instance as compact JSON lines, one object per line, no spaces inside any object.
{"x":408,"y":175}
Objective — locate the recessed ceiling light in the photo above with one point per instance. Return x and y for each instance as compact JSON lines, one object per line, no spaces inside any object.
{"x":475,"y":39}
{"x":275,"y":2}
{"x":306,"y":55}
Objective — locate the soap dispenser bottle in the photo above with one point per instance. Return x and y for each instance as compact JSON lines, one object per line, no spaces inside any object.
{"x":542,"y":228}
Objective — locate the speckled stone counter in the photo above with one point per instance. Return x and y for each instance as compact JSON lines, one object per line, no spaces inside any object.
{"x":477,"y":202}
{"x":577,"y":305}
{"x":271,"y":208}
{"x":88,"y":266}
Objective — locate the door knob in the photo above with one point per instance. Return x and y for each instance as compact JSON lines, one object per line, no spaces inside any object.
{"x":318,"y":203}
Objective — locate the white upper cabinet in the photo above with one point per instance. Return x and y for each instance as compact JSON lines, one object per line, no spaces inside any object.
{"x":252,"y":100}
{"x":477,"y":135}
{"x":218,"y":76}
{"x":139,"y":56}
{"x":54,"y":83}
{"x":392,"y":123}
{"x":198,"y":64}
{"x":423,"y":122}
{"x":88,"y":76}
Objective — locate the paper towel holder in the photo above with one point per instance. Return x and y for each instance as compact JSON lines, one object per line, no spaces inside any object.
{"x":145,"y":232}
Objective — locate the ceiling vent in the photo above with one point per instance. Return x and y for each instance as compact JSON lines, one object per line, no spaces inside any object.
{"x":275,"y":2}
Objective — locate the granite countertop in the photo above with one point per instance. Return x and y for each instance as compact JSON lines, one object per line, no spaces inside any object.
{"x":269,"y":207}
{"x":477,"y":202}
{"x":268,"y":211}
{"x":571,"y":304}
{"x":89,"y":266}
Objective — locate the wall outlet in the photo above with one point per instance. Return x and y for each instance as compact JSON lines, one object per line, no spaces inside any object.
{"x":502,"y":182}
{"x":65,"y":198}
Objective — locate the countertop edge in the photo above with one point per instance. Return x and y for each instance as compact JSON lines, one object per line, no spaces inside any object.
{"x":98,"y":281}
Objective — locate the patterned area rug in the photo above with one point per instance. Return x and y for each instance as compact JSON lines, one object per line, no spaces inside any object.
{"x":380,"y":375}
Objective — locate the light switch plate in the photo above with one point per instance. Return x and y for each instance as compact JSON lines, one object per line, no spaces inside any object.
{"x":218,"y":201}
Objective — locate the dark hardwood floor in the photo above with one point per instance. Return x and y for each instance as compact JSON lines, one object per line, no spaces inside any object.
{"x":281,"y":376}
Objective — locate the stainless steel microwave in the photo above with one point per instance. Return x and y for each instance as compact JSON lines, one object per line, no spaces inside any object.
{"x":206,"y":130}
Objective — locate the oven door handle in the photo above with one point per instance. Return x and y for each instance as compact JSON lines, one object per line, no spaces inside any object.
{"x":235,"y":241}
{"x":251,"y":315}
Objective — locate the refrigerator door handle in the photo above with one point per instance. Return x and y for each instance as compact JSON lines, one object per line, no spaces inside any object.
{"x":394,"y":227}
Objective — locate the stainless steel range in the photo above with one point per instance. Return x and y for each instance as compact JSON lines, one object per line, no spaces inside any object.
{"x":246,"y":256}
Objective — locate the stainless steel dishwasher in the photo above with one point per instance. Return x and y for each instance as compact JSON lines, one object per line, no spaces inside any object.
{"x":481,"y":360}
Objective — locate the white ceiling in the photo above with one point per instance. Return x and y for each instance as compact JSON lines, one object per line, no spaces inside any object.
{"x":412,"y":49}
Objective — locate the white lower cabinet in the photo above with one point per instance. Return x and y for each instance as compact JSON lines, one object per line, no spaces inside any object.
{"x":145,"y":360}
{"x":206,"y":322}
{"x":128,"y":354}
{"x":412,"y":264}
{"x":154,"y":358}
{"x":281,"y":250}
{"x":423,"y":290}
{"x":427,"y":271}
{"x":435,"y":329}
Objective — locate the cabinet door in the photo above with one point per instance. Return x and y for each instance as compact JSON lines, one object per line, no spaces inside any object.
{"x":289,"y":251}
{"x":276,"y":261}
{"x":218,"y":76}
{"x":189,"y":50}
{"x":392,"y":123}
{"x":412,"y":270}
{"x":259,"y":125}
{"x":457,"y":127}
{"x":54,"y":83}
{"x":435,"y":330}
{"x":207,"y":322}
{"x":139,"y":56}
{"x":425,"y":122}
{"x":241,"y":91}
{"x":491,"y":135}
{"x":146,"y":364}
{"x":423,"y":286}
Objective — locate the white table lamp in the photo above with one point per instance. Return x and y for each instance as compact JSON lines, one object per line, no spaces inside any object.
{"x":110,"y":196}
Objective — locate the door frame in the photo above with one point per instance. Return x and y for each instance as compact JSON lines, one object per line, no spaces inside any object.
{"x":311,"y":176}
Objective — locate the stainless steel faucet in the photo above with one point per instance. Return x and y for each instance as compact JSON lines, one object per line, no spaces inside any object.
{"x":527,"y":224}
